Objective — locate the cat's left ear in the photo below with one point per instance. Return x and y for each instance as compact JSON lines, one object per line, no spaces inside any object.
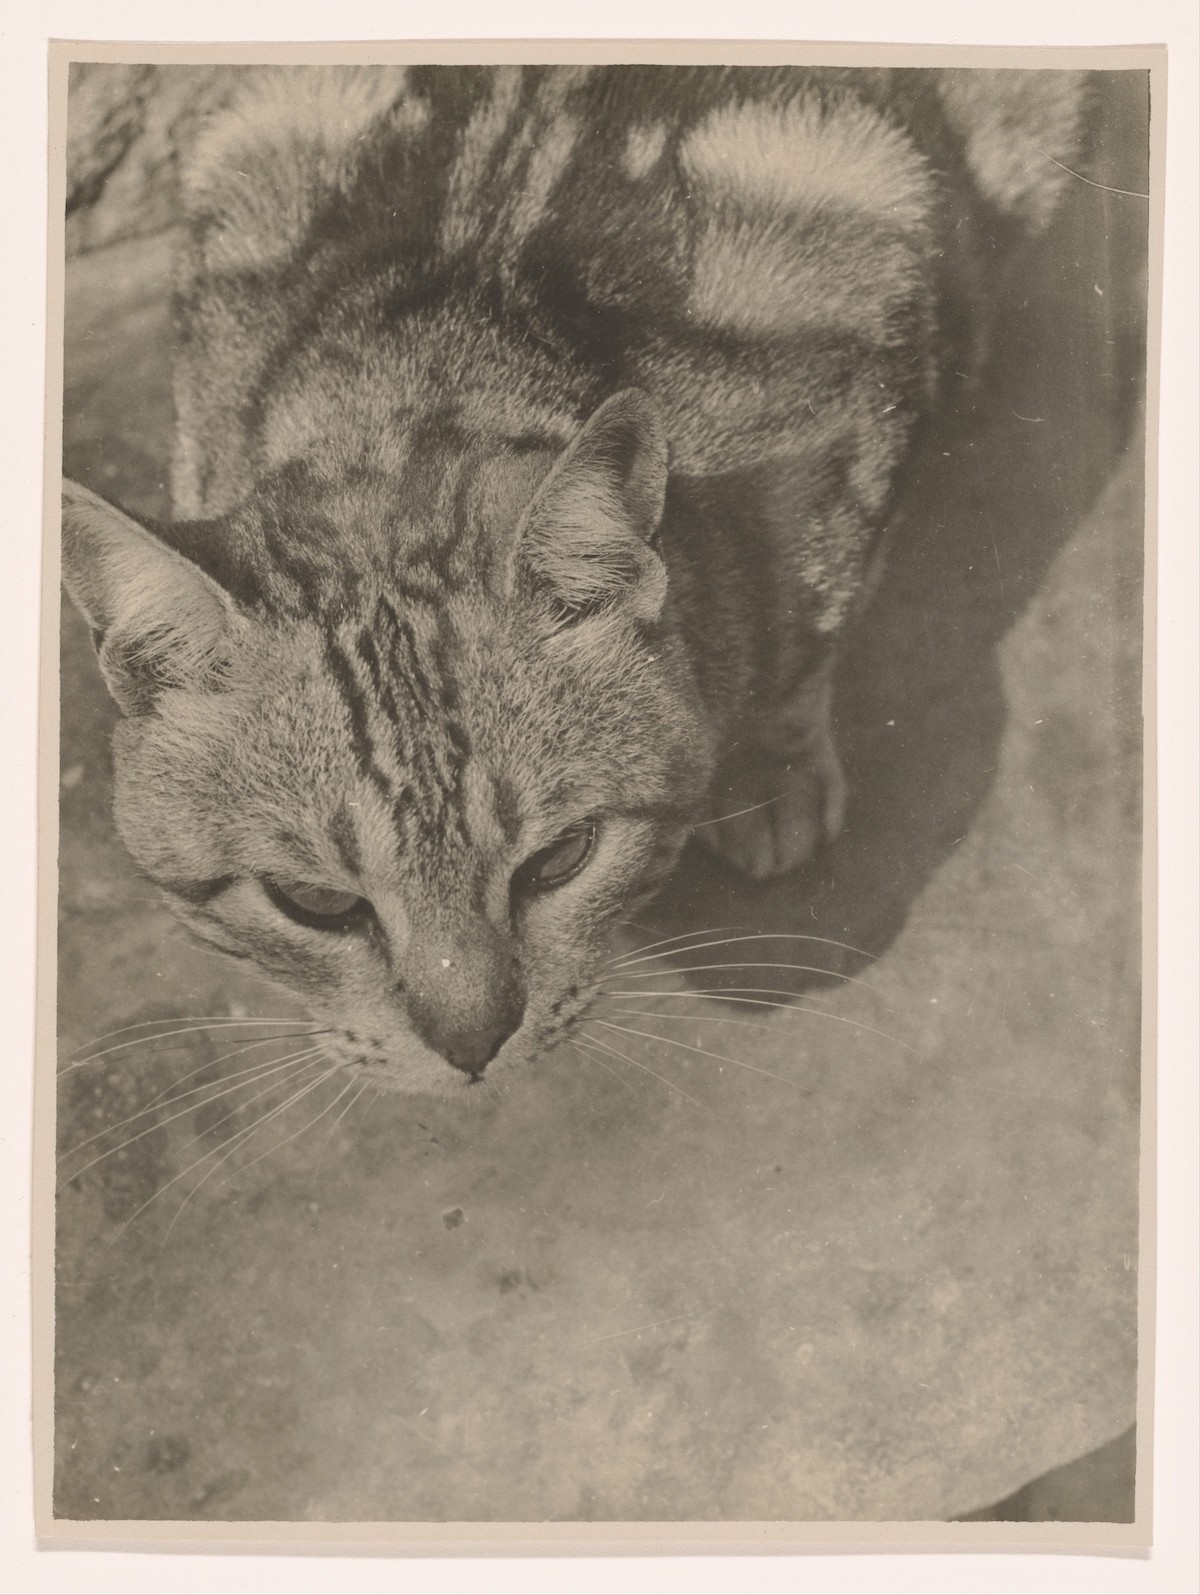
{"x":158,"y":621}
{"x":588,"y":538}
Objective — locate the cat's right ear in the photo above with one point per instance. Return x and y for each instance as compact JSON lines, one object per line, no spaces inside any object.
{"x":158,"y":621}
{"x":588,"y":537}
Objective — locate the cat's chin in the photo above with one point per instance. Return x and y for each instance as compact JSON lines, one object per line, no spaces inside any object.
{"x":445,"y":1084}
{"x":397,"y":1086}
{"x":439,"y":1080}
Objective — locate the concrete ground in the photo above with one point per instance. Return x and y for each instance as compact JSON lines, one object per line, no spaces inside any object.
{"x":885,"y":1270}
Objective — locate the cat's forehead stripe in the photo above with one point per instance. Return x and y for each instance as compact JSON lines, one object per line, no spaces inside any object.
{"x":395,"y":675}
{"x":418,"y":526}
{"x":356,"y":703}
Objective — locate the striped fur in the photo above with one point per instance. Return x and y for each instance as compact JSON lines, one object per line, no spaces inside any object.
{"x":433,"y":597}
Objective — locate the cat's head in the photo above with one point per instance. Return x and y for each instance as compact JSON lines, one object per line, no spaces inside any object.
{"x":415,"y":773}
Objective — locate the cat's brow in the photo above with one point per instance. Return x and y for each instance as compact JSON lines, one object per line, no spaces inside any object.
{"x":197,"y":893}
{"x":344,"y":836}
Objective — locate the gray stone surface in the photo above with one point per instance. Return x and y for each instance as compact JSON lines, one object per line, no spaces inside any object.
{"x":125,"y":126}
{"x":876,"y":1259}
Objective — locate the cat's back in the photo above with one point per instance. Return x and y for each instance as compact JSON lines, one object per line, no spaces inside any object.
{"x":687,"y":229}
{"x":293,"y":139}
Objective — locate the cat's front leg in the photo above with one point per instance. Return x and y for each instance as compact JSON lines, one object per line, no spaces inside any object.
{"x":780,"y":793}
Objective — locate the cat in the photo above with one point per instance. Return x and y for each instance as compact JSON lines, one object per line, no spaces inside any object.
{"x":538,"y":435}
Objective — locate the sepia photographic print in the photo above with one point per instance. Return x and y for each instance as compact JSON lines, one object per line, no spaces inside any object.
{"x":601,"y":853}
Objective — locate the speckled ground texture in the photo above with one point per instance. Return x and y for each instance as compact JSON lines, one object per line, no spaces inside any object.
{"x":886,"y":1270}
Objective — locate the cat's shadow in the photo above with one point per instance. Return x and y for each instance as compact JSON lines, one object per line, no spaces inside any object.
{"x":1002,"y":481}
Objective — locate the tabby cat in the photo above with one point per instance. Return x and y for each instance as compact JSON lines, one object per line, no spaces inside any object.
{"x":537,"y":431}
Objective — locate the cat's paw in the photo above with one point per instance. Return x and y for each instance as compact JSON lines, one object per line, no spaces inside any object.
{"x":770,"y":815}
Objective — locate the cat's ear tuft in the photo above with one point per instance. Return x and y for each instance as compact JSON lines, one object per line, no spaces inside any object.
{"x":157,"y":620}
{"x":588,"y":537}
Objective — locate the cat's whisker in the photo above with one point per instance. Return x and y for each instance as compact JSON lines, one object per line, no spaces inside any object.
{"x":225,"y":1081}
{"x":333,"y":1127}
{"x":263,"y":1041}
{"x":752,"y":808}
{"x":232,"y":1142}
{"x":724,"y":994}
{"x":717,"y":930}
{"x":591,"y":1054}
{"x":644,"y":956}
{"x":304,"y":1128}
{"x":705,"y":1018}
{"x":259,"y":1073}
{"x":756,"y":963}
{"x":375,"y":1095}
{"x":243,"y":1135}
{"x":594,"y":1057}
{"x":605,"y":1046}
{"x":500,"y":1091}
{"x":698,"y":1018}
{"x":180,"y":1046}
{"x":191,"y":1019}
{"x":720,"y":1057}
{"x":309,"y":1060}
{"x":166,"y":1035}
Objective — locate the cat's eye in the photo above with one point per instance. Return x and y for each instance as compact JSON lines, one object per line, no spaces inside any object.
{"x":323,"y":907}
{"x":556,"y":864}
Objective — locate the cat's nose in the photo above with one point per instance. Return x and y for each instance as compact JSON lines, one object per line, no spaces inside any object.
{"x":464,"y":995}
{"x":471,"y":1050}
